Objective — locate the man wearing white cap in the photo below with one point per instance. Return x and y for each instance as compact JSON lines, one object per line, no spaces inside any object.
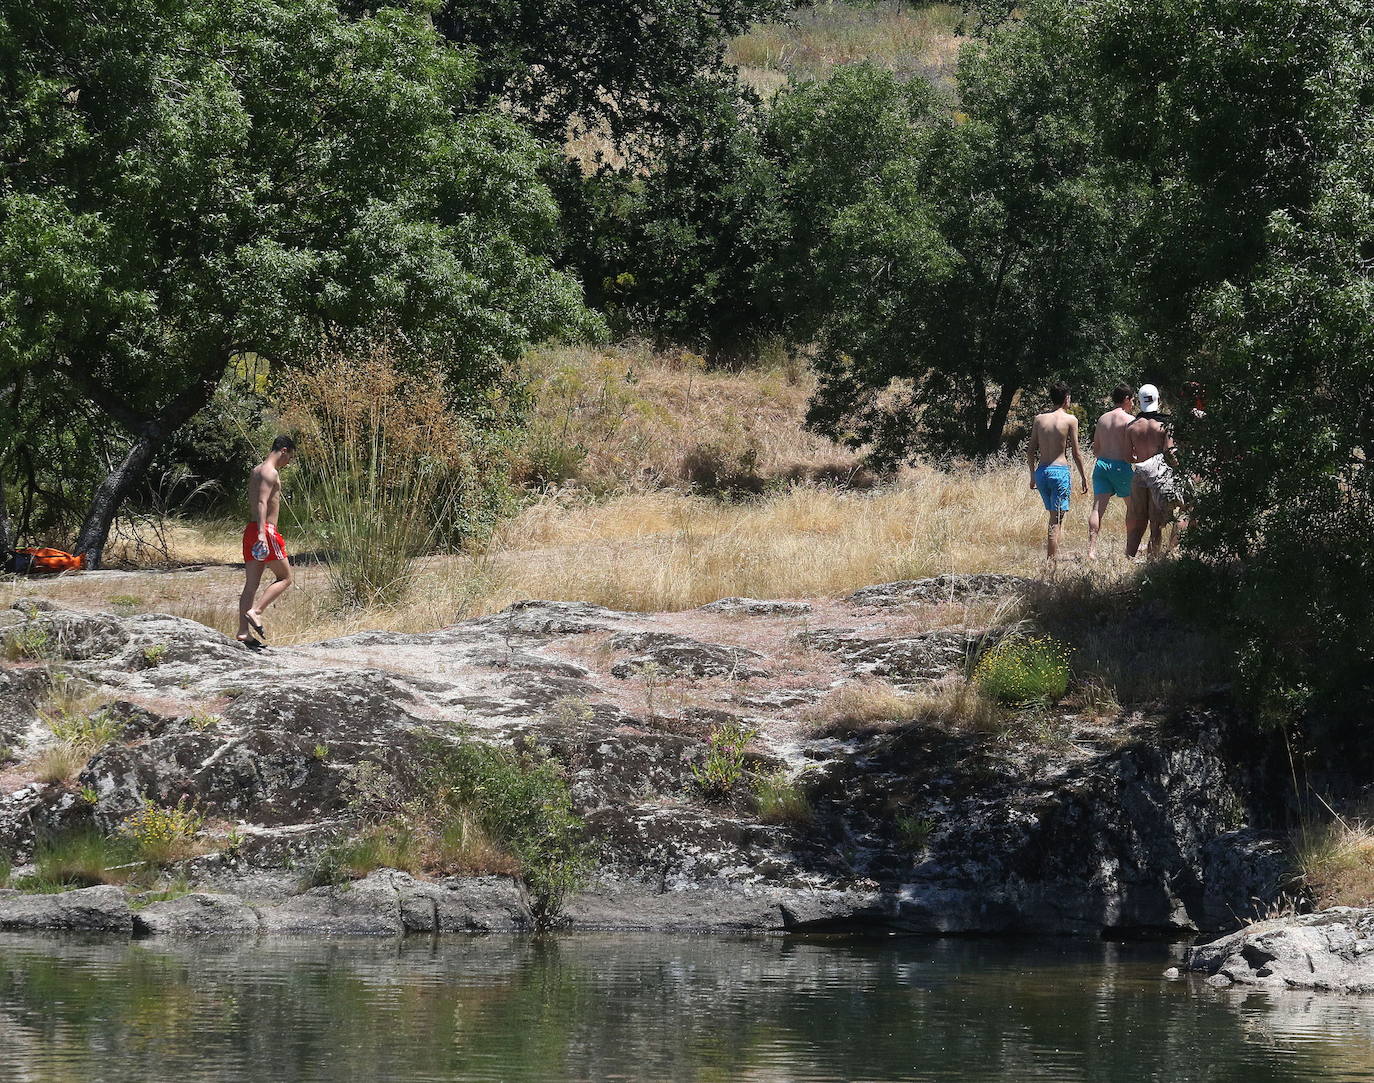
{"x":1154,"y":499}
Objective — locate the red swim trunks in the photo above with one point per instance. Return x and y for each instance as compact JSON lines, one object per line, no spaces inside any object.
{"x":276,"y":547}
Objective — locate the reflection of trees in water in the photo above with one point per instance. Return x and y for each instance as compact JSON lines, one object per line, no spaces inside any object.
{"x":652,"y":1007}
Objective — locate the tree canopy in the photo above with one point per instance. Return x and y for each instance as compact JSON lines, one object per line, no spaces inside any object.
{"x":182,"y":184}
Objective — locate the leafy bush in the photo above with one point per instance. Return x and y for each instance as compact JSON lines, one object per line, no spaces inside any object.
{"x":1024,"y":669}
{"x":163,"y":835}
{"x":720,"y":773}
{"x":521,"y":800}
{"x":6,"y":866}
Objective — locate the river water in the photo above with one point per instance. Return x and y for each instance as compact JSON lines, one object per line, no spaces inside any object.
{"x":636,"y":1007}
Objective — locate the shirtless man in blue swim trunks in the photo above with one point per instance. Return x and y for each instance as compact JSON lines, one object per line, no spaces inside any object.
{"x":1054,"y":437}
{"x":1113,"y":473}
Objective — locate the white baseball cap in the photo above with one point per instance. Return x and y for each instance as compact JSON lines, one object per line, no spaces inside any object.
{"x":1148,"y":398}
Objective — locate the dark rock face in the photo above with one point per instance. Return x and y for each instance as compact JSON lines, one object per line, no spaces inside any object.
{"x":925,"y":657}
{"x":1331,"y":950}
{"x":942,"y":588}
{"x":679,"y":656}
{"x":916,"y":827}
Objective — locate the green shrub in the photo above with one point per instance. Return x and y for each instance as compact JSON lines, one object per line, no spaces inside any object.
{"x":781,"y":799}
{"x":521,"y":799}
{"x":1024,"y":669}
{"x":163,"y":835}
{"x":6,"y":867}
{"x":125,"y":604}
{"x":720,"y":773}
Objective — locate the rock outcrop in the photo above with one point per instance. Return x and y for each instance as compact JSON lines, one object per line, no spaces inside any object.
{"x":1134,"y":824}
{"x":1331,"y":951}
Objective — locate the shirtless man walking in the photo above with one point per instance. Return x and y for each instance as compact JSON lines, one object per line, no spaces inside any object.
{"x":263,"y":546}
{"x":1054,"y":436}
{"x":1112,"y":474}
{"x":1154,"y":497}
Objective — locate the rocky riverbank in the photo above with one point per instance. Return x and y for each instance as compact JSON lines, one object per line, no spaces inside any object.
{"x":1065,"y":823}
{"x":1329,"y":951}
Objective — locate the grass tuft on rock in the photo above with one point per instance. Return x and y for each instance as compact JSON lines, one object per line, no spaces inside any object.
{"x":781,"y":799}
{"x":872,"y":705}
{"x":79,"y":859}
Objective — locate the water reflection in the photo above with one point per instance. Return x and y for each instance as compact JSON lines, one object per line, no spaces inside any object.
{"x":652,"y":1008}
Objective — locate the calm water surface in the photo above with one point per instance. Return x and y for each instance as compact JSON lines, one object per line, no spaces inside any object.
{"x":653,"y":1008}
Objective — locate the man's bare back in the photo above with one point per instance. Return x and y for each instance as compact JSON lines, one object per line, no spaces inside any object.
{"x":1052,"y":435}
{"x":1110,"y":438}
{"x":1145,"y":438}
{"x":264,"y":494}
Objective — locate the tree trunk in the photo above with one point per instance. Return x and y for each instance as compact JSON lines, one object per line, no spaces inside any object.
{"x":992,"y":437}
{"x":6,"y":531}
{"x":123,"y":479}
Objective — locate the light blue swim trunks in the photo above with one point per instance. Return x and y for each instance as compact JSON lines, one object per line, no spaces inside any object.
{"x":1112,"y":476}
{"x":1053,"y":483}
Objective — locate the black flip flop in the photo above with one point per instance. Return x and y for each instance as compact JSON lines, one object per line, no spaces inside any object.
{"x":254,"y":644}
{"x":262,"y":632}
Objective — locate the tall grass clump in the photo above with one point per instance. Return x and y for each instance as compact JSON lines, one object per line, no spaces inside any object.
{"x":1024,"y":669}
{"x":387,"y":468}
{"x":79,"y":859}
{"x":780,"y":799}
{"x":1336,"y":862}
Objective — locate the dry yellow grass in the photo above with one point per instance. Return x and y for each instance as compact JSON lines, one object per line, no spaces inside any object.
{"x":859,"y":706}
{"x":629,"y":418}
{"x":908,"y":39}
{"x":1337,"y":862}
{"x":652,"y":551}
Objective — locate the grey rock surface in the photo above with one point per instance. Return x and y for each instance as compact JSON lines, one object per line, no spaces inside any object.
{"x":1331,"y":951}
{"x":757,"y":607}
{"x":101,"y":909}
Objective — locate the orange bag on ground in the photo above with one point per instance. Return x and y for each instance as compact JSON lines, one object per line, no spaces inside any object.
{"x":41,"y":561}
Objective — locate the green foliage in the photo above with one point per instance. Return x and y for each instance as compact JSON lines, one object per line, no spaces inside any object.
{"x":723,"y":769}
{"x":521,"y":799}
{"x":328,"y":169}
{"x":89,"y":731}
{"x":154,"y":653}
{"x":78,"y":859}
{"x":125,"y":605}
{"x":780,"y":799}
{"x":951,"y":260}
{"x":1024,"y":669}
{"x":6,"y":867}
{"x":163,"y":835}
{"x":631,"y":69}
{"x":29,"y":641}
{"x":914,"y":831}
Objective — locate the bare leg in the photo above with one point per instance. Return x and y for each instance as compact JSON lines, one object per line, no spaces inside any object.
{"x":252,"y":576}
{"x":1052,"y":536}
{"x":1100,"y":503}
{"x":1156,"y":534}
{"x":1135,"y":531}
{"x":282,"y":570}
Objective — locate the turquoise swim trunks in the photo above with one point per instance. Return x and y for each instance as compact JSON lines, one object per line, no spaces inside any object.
{"x":1112,"y":476}
{"x":1053,"y":483}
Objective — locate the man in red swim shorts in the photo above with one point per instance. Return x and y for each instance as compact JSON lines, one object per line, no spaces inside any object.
{"x":263,"y":546}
